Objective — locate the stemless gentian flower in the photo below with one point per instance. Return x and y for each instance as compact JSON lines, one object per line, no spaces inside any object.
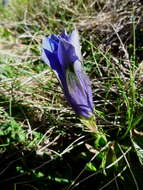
{"x":62,"y":53}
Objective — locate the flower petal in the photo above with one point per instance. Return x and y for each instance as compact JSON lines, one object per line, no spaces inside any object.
{"x":49,"y":48}
{"x":66,"y":53}
{"x":45,"y":58}
{"x":54,"y":38}
{"x":74,"y":40}
{"x":79,"y":90}
{"x":53,"y":62}
{"x":64,"y":35}
{"x":47,"y":44}
{"x":63,"y":55}
{"x":50,"y":43}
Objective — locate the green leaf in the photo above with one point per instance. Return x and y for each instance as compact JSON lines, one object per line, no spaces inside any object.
{"x":58,"y":179}
{"x":90,"y":167}
{"x":40,"y":174}
{"x":137,"y":120}
{"x":101,"y":140}
{"x":137,"y":141}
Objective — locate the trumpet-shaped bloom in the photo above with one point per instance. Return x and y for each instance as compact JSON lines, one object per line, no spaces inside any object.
{"x":62,"y":53}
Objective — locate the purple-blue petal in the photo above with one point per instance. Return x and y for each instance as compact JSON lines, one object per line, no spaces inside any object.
{"x":49,"y":44}
{"x":66,"y":53}
{"x":54,"y":62}
{"x":64,"y":35}
{"x":55,"y":40}
{"x":63,"y":55}
{"x":78,"y":91}
{"x":74,"y":40}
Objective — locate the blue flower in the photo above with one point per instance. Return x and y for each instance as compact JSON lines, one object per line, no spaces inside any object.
{"x":62,"y":53}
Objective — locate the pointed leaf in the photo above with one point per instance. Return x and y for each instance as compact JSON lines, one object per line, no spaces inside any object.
{"x":137,"y":141}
